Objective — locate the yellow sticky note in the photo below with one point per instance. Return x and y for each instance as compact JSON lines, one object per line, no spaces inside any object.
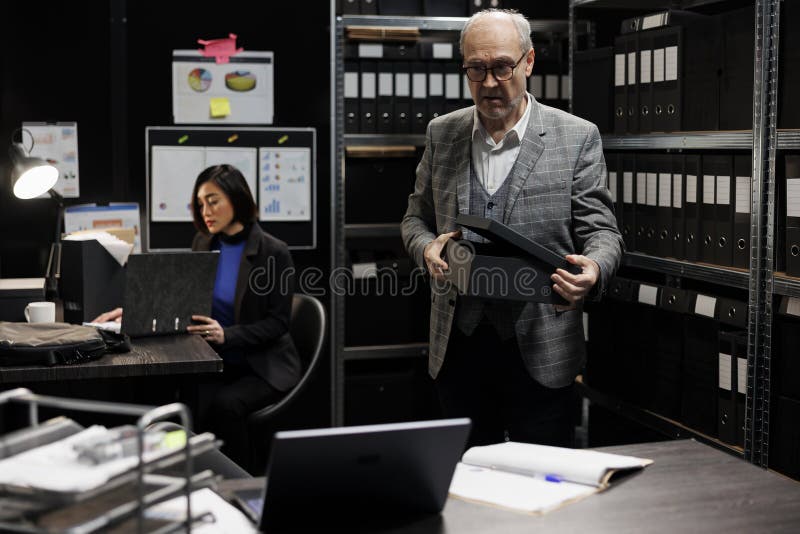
{"x":220,"y":107}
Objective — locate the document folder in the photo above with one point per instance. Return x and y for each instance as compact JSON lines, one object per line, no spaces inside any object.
{"x":708,"y":209}
{"x":645,"y":57}
{"x":678,"y":218}
{"x":452,"y":88}
{"x":632,"y":82}
{"x":667,"y":67}
{"x":792,"y":215}
{"x":474,"y":268}
{"x":620,"y":87}
{"x":419,"y":97}
{"x":385,"y":109}
{"x":732,"y":312}
{"x":691,"y":208}
{"x":436,"y":99}
{"x":352,"y":118}
{"x":725,"y":202}
{"x":628,"y":220}
{"x":664,"y":210}
{"x":369,"y":86}
{"x":742,"y":165}
{"x":699,"y":62}
{"x":726,"y":396}
{"x":402,"y":97}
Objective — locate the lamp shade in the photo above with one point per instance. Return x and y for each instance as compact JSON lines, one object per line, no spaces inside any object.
{"x":30,"y":175}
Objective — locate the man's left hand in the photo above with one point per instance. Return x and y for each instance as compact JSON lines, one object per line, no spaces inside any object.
{"x":573,"y":287}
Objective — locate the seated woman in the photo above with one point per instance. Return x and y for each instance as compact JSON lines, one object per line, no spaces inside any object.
{"x":252,"y":303}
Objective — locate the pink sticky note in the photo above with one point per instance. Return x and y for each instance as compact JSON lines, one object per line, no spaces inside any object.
{"x":220,"y":49}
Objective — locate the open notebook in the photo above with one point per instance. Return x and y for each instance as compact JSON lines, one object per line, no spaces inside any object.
{"x":535,"y":478}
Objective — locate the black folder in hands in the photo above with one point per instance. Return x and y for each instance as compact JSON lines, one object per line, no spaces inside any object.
{"x":523,"y":266}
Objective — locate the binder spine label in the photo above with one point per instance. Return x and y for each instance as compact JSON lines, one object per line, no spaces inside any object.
{"x":677,"y":194}
{"x":385,"y":84}
{"x":691,"y":188}
{"x":551,"y":87}
{"x":652,"y":189}
{"x":418,"y":85}
{"x":627,"y":187}
{"x":793,"y":197}
{"x":452,"y":87}
{"x":631,"y":68}
{"x":536,"y":86}
{"x":645,"y":59}
{"x":351,"y":85}
{"x":402,"y":84}
{"x":658,"y":65}
{"x":671,"y":63}
{"x":648,"y":294}
{"x":436,"y":85}
{"x":612,"y":185}
{"x":619,"y":70}
{"x":641,"y":188}
{"x":442,"y":50}
{"x":743,"y":192}
{"x":708,"y":189}
{"x":372,"y":50}
{"x":705,"y":306}
{"x":741,"y":375}
{"x":793,"y":306}
{"x":367,"y":85}
{"x":724,"y":190}
{"x":724,"y":374}
{"x":664,"y":190}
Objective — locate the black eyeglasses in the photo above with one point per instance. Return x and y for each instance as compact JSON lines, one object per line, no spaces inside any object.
{"x":501,"y":73}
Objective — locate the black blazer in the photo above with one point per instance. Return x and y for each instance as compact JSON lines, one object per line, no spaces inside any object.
{"x":263,"y":306}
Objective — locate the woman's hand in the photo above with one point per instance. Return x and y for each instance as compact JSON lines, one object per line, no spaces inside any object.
{"x":113,"y":315}
{"x":211,"y":330}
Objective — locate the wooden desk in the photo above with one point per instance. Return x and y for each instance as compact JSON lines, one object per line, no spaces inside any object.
{"x":691,"y":487}
{"x":161,"y":355}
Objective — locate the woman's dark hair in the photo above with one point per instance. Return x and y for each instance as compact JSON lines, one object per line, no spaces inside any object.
{"x":233,"y":184}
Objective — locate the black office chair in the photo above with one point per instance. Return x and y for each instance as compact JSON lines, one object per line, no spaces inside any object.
{"x":308,"y":333}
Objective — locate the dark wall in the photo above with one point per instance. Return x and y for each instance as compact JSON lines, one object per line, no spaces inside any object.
{"x":107,"y":65}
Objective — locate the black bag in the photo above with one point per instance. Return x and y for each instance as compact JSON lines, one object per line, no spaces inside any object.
{"x":55,"y":343}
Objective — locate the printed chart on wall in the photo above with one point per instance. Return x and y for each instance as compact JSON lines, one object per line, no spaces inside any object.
{"x":278,"y":164}
{"x":57,"y":143}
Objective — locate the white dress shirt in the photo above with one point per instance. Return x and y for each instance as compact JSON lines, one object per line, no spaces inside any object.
{"x":493,"y":161}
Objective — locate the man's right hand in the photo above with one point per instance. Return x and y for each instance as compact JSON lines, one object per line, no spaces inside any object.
{"x":113,"y":315}
{"x":433,"y":255}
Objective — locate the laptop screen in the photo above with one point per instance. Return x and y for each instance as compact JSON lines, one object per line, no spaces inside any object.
{"x":360,"y":473}
{"x":164,"y":290}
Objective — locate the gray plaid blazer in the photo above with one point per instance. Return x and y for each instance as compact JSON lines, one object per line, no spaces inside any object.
{"x":557,"y":197}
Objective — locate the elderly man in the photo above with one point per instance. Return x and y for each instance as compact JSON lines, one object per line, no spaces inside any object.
{"x":510,"y":365}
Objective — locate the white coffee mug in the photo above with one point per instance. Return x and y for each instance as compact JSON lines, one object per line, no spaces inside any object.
{"x":40,"y":312}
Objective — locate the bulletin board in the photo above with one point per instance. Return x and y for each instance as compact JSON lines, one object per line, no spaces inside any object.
{"x":279,"y":165}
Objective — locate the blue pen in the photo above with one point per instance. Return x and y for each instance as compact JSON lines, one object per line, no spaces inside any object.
{"x":552,"y":478}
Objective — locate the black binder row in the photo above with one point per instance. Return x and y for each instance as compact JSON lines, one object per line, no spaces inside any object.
{"x":689,"y":368}
{"x":693,"y":207}
{"x":399,"y":88}
{"x":695,"y":74}
{"x":697,"y":207}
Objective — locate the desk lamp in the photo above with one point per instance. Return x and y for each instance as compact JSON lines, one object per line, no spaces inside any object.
{"x":31,"y":177}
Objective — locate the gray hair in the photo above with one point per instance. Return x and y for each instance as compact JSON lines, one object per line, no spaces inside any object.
{"x":522,"y":24}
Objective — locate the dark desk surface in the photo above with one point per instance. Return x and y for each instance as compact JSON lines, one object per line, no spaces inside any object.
{"x":691,"y":487}
{"x":161,"y":355}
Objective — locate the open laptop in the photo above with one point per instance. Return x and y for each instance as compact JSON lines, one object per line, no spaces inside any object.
{"x":357,"y":475}
{"x":163,"y":290}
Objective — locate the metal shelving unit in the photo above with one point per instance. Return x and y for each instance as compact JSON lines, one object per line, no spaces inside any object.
{"x":372,"y":230}
{"x":714,"y":274}
{"x":762,"y":140}
{"x":376,"y":352}
{"x":384,"y":139}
